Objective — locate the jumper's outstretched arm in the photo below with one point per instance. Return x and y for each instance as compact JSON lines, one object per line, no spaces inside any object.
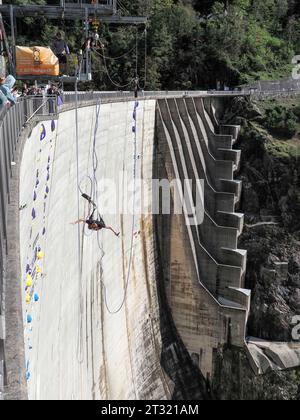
{"x":78,"y":221}
{"x":110,"y":228}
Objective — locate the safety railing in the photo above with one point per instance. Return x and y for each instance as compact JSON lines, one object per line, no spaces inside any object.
{"x":70,"y":97}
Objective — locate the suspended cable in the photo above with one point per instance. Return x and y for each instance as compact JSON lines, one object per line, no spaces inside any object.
{"x":80,"y":327}
{"x":109,"y":77}
{"x":94,"y":196}
{"x":145,"y":62}
{"x":126,"y":53}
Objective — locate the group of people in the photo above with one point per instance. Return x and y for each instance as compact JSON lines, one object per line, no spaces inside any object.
{"x":48,"y":90}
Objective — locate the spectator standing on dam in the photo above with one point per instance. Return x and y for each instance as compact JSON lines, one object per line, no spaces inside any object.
{"x":6,"y":86}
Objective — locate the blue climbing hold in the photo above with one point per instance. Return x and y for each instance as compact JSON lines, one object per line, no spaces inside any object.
{"x":43,"y":132}
{"x":33,"y":213}
{"x":37,"y":183}
{"x":48,"y":176}
{"x":47,"y":190}
{"x":44,"y":231}
{"x":29,"y":319}
{"x":52,"y":125}
{"x":34,"y":196}
{"x":27,"y":376}
{"x":28,"y":269}
{"x":36,"y":297}
{"x":133,"y":129}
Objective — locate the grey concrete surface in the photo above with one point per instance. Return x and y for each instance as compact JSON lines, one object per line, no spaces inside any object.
{"x":273,"y":356}
{"x":74,"y":348}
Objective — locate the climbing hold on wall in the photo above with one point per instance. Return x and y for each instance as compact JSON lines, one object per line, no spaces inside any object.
{"x":29,"y":281}
{"x":36,"y":297}
{"x":133,"y":129}
{"x":38,"y":269}
{"x":37,"y":183}
{"x":48,"y":176}
{"x":27,"y":376}
{"x":29,"y":319}
{"x":33,"y":213}
{"x":43,"y":132}
{"x":34,"y":196}
{"x":52,"y":125}
{"x":47,"y":190}
{"x":28,"y":298}
{"x":28,"y":269}
{"x":44,"y":231}
{"x":40,"y":255}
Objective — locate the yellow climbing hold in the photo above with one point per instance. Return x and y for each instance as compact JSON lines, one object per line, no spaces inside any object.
{"x":29,"y":280}
{"x":28,"y":298}
{"x":40,"y":255}
{"x":38,"y":269}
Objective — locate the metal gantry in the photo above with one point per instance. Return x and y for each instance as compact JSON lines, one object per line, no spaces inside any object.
{"x":104,"y":10}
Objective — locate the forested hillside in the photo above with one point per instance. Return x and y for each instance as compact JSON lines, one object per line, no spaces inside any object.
{"x":191,"y":44}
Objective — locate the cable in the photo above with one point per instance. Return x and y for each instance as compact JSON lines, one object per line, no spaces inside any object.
{"x":79,"y":343}
{"x":136,"y":48}
{"x":145,"y":63}
{"x":133,"y":218}
{"x":108,"y":75}
{"x":94,"y":196}
{"x":126,"y":53}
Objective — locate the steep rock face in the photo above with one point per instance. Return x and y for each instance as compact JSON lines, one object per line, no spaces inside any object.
{"x":271,"y":202}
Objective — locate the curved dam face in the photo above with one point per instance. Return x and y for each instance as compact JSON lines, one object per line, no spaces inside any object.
{"x":146,"y":314}
{"x":73,"y":281}
{"x":139,"y":316}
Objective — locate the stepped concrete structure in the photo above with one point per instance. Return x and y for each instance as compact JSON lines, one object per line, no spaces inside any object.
{"x":142,"y":315}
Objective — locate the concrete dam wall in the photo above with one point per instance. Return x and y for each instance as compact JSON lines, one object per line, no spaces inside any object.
{"x":142,"y":315}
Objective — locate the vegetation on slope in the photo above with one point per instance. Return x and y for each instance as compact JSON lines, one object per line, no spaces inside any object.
{"x":192,"y":44}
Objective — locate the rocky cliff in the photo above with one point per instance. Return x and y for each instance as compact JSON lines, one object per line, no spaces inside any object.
{"x":271,"y":202}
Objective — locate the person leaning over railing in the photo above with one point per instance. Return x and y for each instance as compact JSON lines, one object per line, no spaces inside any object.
{"x":6,"y":97}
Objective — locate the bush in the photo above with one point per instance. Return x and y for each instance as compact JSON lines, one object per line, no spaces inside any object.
{"x":282,"y":122}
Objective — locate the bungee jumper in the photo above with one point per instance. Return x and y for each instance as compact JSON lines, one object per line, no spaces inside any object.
{"x":94,"y":224}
